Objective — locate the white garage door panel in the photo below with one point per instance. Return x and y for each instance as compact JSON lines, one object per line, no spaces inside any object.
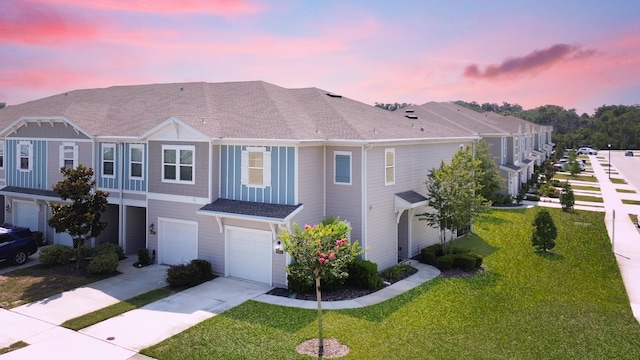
{"x":178,"y":241}
{"x":249,"y":255}
{"x":26,"y":214}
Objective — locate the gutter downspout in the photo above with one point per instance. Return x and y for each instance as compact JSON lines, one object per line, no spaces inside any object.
{"x":121,"y":220}
{"x":364,"y":206}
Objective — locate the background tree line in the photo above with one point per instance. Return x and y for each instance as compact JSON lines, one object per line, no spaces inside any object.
{"x":618,"y":125}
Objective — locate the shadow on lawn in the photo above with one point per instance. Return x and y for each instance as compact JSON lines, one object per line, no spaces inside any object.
{"x":549,"y":255}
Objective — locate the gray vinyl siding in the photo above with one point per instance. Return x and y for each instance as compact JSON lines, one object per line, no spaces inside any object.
{"x":344,"y":200}
{"x":50,"y":130}
{"x":53,"y":166}
{"x":310,"y":185}
{"x":210,"y":241}
{"x":201,"y":170}
{"x":495,"y":148}
{"x":413,"y":163}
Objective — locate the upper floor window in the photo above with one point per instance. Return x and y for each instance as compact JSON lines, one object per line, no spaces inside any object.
{"x":177,"y":163}
{"x":342,"y":167}
{"x":389,"y":166}
{"x":1,"y":154}
{"x":256,"y":167}
{"x":108,"y":160}
{"x":25,"y":156}
{"x":68,"y":155}
{"x":136,"y":161}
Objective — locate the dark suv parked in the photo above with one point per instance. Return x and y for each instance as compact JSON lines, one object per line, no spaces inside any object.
{"x":16,"y":243}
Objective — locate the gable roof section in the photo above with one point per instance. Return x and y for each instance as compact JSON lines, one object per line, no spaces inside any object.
{"x":232,"y":110}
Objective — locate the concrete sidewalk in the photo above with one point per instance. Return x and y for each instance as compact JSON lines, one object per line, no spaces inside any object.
{"x":624,"y":235}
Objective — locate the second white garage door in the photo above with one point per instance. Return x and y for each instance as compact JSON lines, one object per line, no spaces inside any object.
{"x":177,"y":241}
{"x":248,"y":254}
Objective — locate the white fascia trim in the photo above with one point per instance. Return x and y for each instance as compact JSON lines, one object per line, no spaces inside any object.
{"x":172,"y":121}
{"x":178,"y":198}
{"x":40,"y":120}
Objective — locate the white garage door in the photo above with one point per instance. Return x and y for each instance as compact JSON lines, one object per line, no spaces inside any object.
{"x":26,"y":214}
{"x":249,"y":254}
{"x":178,"y":241}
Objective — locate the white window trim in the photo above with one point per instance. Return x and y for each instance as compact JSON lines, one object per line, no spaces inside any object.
{"x":29,"y":155}
{"x":392,"y":166}
{"x":2,"y":152}
{"x":74,"y":157}
{"x":177,"y":148}
{"x":348,"y":153}
{"x":113,"y":147}
{"x":131,"y":162}
{"x":266,"y":167}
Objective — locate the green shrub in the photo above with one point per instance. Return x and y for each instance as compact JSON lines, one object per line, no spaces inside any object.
{"x":296,"y":282}
{"x":103,"y":263}
{"x":363,"y":274}
{"x":56,"y":254}
{"x":204,"y":268}
{"x":428,"y":256}
{"x":445,"y":262}
{"x":479,"y":258}
{"x":396,"y":272}
{"x":183,"y":275}
{"x":110,"y":248}
{"x":143,"y":257}
{"x":465,"y":262}
{"x":85,"y":252}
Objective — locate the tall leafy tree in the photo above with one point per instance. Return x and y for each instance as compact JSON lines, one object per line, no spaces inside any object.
{"x":455,"y":194}
{"x":490,"y":181}
{"x":81,"y":217}
{"x":321,"y":251}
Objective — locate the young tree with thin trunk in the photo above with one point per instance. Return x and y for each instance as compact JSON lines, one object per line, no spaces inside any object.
{"x":544,"y":231}
{"x":81,"y":217}
{"x":567,"y":199}
{"x":321,"y":251}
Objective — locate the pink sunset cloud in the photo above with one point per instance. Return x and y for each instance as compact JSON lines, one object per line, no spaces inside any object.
{"x":535,"y":61}
{"x":226,"y":8}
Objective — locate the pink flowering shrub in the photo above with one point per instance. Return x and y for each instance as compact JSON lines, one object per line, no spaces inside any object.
{"x":321,"y":250}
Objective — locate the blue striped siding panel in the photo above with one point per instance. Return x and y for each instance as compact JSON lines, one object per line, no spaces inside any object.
{"x":34,"y":179}
{"x":282,"y":189}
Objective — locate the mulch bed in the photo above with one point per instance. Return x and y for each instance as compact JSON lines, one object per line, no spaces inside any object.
{"x":349,"y":292}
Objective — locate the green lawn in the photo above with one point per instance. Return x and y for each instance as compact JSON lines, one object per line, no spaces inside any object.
{"x":626,"y":191}
{"x":116,"y":309}
{"x":586,"y":188}
{"x":577,"y":177}
{"x":618,"y":181}
{"x":568,"y":304}
{"x":630,"y":202}
{"x":588,"y":198}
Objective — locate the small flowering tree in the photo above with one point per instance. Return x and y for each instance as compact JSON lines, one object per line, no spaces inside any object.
{"x":321,"y":251}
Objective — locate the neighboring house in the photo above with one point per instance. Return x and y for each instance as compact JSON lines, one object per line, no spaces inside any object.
{"x":217,"y":170}
{"x":516,"y":144}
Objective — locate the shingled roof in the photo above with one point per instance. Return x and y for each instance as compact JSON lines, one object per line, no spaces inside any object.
{"x":246,"y":110}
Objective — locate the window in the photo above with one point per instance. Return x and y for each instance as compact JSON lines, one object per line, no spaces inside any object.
{"x":1,"y":154}
{"x":256,"y":167}
{"x":177,"y":163}
{"x":68,"y":155}
{"x":342,"y":167}
{"x":25,"y":156}
{"x":108,"y":160}
{"x":389,"y":166}
{"x":136,"y":164}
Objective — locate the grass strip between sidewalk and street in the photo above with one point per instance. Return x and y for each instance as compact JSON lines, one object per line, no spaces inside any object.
{"x":575,"y":178}
{"x":627,"y":191}
{"x":97,"y":316}
{"x":14,"y":346}
{"x":588,"y":198}
{"x":618,"y":181}
{"x":631,"y":202}
{"x":585,"y":188}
